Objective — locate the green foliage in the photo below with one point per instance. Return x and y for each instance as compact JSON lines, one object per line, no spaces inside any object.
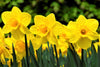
{"x":65,"y":10}
{"x":15,"y":64}
{"x":49,"y":58}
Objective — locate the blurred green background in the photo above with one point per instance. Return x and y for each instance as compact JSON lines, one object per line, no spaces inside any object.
{"x":64,"y":10}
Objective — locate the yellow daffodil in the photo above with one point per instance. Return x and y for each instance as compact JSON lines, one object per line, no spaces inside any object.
{"x":16,"y":22}
{"x":83,"y":31}
{"x":20,"y":50}
{"x":61,"y":32}
{"x":43,"y":31}
{"x":62,"y":35}
{"x":4,"y":53}
{"x":43,"y":26}
{"x":19,"y":46}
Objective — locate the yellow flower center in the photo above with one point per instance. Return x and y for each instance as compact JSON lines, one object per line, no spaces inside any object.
{"x":43,"y":29}
{"x":13,"y":22}
{"x":20,"y":46}
{"x":83,"y":31}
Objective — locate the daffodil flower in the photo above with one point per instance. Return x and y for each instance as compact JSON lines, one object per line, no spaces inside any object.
{"x":83,"y":31}
{"x":61,"y":32}
{"x":20,"y":49}
{"x":19,"y":46}
{"x":15,"y":20}
{"x":43,"y":26}
{"x":4,"y":53}
{"x":62,"y":35}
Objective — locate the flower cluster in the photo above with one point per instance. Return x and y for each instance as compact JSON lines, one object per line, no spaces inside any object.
{"x":79,"y":33}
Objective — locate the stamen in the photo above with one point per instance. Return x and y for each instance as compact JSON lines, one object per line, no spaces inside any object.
{"x":83,"y":31}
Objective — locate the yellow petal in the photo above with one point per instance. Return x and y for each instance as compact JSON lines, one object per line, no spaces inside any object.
{"x":74,"y":37}
{"x":96,"y":46}
{"x":63,"y":46}
{"x":36,"y":42}
{"x":20,"y":56}
{"x":19,"y":46}
{"x":7,"y":54}
{"x":74,"y":32}
{"x":33,"y":29}
{"x":44,"y":46}
{"x":2,"y":59}
{"x":72,"y":25}
{"x":51,"y":38}
{"x":9,"y":42}
{"x":92,"y":24}
{"x":51,"y":17}
{"x":92,"y":35}
{"x":81,"y":19}
{"x":25,"y":18}
{"x":17,"y":34}
{"x":99,"y":37}
{"x":51,"y":20}
{"x":15,"y":11}
{"x":84,"y":43}
{"x":24,"y":29}
{"x":39,"y":19}
{"x":58,"y":29}
{"x":6,"y":16}
{"x":6,"y":29}
{"x":36,"y":30}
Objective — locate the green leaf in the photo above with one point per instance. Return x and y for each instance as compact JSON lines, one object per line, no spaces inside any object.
{"x":78,"y":1}
{"x":32,"y":56}
{"x":14,"y":3}
{"x":56,"y":56}
{"x":23,"y":62}
{"x":20,"y":1}
{"x":39,"y":56}
{"x":26,"y":48}
{"x":98,"y":61}
{"x":15,"y":64}
{"x":56,"y":6}
{"x":93,"y":57}
{"x":70,"y":59}
{"x":61,"y":59}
